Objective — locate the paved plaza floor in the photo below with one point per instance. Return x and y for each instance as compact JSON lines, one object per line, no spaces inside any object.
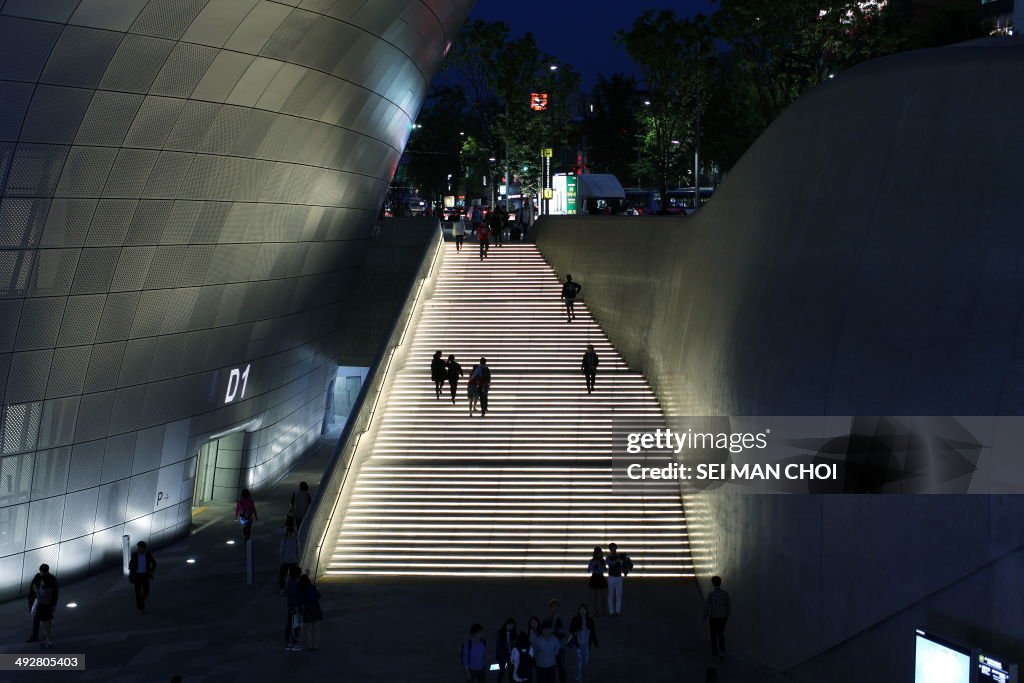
{"x":205,"y":623}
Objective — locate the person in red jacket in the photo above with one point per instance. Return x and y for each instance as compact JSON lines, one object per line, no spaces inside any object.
{"x":483,"y":236}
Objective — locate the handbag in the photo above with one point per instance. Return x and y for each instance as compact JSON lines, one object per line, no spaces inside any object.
{"x":296,"y":620}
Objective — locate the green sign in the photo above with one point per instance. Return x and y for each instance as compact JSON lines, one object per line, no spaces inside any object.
{"x":570,"y":194}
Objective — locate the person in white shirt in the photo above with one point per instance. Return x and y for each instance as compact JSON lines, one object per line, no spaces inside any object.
{"x":459,"y":231}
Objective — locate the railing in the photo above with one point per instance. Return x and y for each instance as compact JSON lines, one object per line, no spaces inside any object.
{"x":320,"y":521}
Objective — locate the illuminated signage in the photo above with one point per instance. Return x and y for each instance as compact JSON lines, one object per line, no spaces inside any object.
{"x":570,"y":194}
{"x":538,"y":101}
{"x":995,"y":670}
{"x":238,"y":381}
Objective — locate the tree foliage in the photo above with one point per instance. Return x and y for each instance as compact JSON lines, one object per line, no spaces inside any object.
{"x":499,"y":74}
{"x":676,"y":58}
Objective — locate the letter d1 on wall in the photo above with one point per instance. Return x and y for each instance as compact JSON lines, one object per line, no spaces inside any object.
{"x":238,"y":381}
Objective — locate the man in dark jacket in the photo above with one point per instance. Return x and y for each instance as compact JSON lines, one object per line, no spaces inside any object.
{"x":717,"y":609}
{"x":570,"y":290}
{"x":589,"y":367}
{"x":44,"y":589}
{"x":141,"y":568}
{"x":454,"y":372}
{"x":438,"y":373}
{"x":484,"y":375}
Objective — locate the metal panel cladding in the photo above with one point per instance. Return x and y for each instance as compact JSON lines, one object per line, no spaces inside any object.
{"x":187,"y":187}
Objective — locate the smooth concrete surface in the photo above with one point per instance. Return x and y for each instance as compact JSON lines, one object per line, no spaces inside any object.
{"x":380,"y":287}
{"x":204,"y":623}
{"x":864,"y":258}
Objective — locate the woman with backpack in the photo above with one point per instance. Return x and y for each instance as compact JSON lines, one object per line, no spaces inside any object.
{"x":245,"y":513}
{"x":505,"y":642}
{"x":312,"y":615}
{"x":438,"y":373}
{"x":582,"y":636}
{"x":598,"y":584}
{"x":521,"y":660}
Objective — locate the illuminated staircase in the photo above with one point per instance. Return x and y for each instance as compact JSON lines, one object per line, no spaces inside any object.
{"x":527,"y":490}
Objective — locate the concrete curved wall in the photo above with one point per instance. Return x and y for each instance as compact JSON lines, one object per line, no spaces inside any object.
{"x":864,"y":258}
{"x":188,"y":187}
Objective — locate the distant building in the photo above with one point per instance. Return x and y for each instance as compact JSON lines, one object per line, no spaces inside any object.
{"x":1003,"y":14}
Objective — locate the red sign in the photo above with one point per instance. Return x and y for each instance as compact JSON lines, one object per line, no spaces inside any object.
{"x":538,"y":101}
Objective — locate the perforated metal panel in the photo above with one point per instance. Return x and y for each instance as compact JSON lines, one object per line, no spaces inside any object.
{"x":169,"y":169}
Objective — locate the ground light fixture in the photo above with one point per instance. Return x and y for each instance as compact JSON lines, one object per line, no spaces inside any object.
{"x":72,"y":605}
{"x":190,"y":560}
{"x":230,"y":542}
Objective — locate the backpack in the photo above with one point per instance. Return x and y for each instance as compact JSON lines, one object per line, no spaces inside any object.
{"x":525,"y":669}
{"x":467,"y":649}
{"x":627,"y":565}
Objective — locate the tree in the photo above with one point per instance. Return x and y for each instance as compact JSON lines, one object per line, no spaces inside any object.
{"x":498,"y":74}
{"x":436,"y":142}
{"x":676,"y":58}
{"x":611,"y":126}
{"x":784,"y":47}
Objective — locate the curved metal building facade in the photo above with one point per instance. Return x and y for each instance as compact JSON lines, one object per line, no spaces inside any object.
{"x":187,"y":186}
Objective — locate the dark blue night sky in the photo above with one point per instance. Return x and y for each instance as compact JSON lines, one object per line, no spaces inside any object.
{"x":580,"y":31}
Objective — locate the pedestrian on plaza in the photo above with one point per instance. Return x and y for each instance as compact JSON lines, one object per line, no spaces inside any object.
{"x":141,"y":568}
{"x":293,"y":619}
{"x":500,"y":224}
{"x":473,"y":389}
{"x":545,"y":654}
{"x":482,"y":375}
{"x":532,"y":629}
{"x":526,"y":216}
{"x":312,"y":615}
{"x":299,"y":506}
{"x":582,"y":636}
{"x":483,"y":236}
{"x":474,"y":655}
{"x":454,"y":372}
{"x":521,"y":660}
{"x":438,"y":373}
{"x":598,"y":584}
{"x":476,"y":216}
{"x":570,"y":290}
{"x":558,"y":630}
{"x":494,"y":223}
{"x":245,"y":513}
{"x":504,"y":644}
{"x":717,"y":608}
{"x":589,"y":367}
{"x":42,"y":599}
{"x":289,"y":553}
{"x":515,"y":226}
{"x":459,"y":232}
{"x":619,"y":566}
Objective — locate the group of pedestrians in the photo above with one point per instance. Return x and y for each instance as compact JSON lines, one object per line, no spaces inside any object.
{"x":451,"y":371}
{"x":44,"y":591}
{"x":538,"y":653}
{"x":490,"y":227}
